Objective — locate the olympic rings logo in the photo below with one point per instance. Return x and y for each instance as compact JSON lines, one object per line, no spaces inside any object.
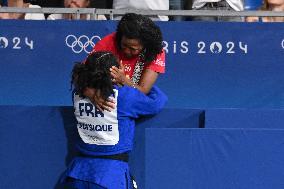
{"x":81,"y":43}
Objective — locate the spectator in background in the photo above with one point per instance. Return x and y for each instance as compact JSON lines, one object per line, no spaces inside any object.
{"x":75,"y":4}
{"x":48,"y":3}
{"x":27,"y":16}
{"x":143,"y":5}
{"x":229,"y":5}
{"x":269,"y":5}
{"x":137,"y":43}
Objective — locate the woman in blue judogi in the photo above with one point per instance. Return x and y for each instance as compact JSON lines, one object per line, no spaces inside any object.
{"x":106,"y":136}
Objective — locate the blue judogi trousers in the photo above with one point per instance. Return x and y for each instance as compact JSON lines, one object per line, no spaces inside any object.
{"x":97,"y":173}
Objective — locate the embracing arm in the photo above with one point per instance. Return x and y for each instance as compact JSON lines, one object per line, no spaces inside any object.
{"x":148,"y":77}
{"x":147,"y":80}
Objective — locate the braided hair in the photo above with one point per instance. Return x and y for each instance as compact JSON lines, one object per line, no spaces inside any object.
{"x":136,"y":26}
{"x":95,"y":73}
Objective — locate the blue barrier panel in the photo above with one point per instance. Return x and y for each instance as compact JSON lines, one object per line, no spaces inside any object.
{"x":244,"y":118}
{"x":37,"y":143}
{"x":214,"y":158}
{"x":168,"y":118}
{"x":209,"y":65}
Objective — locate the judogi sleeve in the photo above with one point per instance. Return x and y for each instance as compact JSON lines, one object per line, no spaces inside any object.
{"x":139,"y":104}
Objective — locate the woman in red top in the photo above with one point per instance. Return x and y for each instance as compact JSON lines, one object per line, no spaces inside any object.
{"x":137,"y":43}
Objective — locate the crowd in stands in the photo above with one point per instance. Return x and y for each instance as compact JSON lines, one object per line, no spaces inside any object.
{"x":75,"y":4}
{"x":231,"y":5}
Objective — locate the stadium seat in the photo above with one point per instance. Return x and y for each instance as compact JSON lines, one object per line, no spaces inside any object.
{"x":252,"y":4}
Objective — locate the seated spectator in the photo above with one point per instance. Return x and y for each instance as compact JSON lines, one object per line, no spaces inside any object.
{"x":49,"y":3}
{"x":143,"y":5}
{"x":229,"y":5}
{"x":269,"y":5}
{"x":75,"y":4}
{"x":27,"y":16}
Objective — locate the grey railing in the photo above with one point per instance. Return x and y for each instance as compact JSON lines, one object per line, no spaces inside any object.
{"x":116,"y":12}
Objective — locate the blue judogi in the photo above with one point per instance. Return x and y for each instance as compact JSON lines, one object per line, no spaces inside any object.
{"x":110,"y":133}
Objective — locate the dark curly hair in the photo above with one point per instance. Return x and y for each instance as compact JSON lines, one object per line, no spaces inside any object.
{"x":136,"y":26}
{"x":95,"y":73}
